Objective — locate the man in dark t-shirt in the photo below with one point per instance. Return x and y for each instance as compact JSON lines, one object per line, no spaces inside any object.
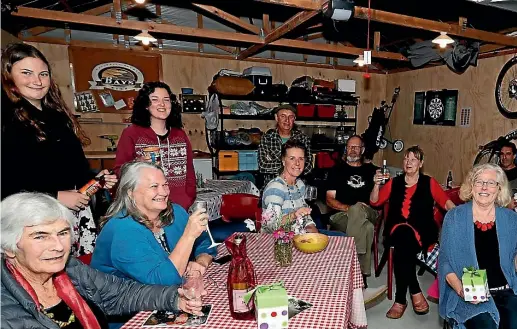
{"x":508,"y":154}
{"x":350,"y":185}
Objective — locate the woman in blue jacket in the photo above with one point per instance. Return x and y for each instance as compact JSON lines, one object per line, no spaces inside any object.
{"x":480,"y":234}
{"x":147,"y":239}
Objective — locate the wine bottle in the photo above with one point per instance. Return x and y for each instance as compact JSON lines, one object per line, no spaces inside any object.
{"x":241,"y":279}
{"x":448,"y":184}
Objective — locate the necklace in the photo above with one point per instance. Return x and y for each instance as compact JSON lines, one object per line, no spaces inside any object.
{"x":485,"y":226}
{"x":61,"y":324}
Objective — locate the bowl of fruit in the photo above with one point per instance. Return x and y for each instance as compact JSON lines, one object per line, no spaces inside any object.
{"x":311,"y":243}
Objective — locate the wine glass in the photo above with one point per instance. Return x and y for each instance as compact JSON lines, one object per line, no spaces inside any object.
{"x":192,"y":285}
{"x":204,"y":205}
{"x":310,"y":193}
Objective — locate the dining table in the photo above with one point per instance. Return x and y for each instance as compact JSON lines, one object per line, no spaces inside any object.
{"x":330,"y":280}
{"x":213,"y":189}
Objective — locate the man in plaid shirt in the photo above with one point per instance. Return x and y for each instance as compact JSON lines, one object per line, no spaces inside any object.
{"x":269,"y":152}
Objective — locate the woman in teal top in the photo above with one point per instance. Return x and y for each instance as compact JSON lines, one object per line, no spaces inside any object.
{"x":145,"y":238}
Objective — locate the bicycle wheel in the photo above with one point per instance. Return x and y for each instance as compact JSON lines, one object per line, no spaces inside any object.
{"x":506,"y":89}
{"x":487,"y":156}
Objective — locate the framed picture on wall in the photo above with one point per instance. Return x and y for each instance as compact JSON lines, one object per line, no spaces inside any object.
{"x":115,"y":72}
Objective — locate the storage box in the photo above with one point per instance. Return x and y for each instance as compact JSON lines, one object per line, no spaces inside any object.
{"x":261,"y":78}
{"x":228,"y":161}
{"x":326,"y":111}
{"x":248,"y":160}
{"x":271,"y":305}
{"x":326,"y":159}
{"x":305,"y":110}
{"x":345,"y":85}
{"x":475,"y":285}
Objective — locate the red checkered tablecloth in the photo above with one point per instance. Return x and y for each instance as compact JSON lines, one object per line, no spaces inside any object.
{"x":330,"y":280}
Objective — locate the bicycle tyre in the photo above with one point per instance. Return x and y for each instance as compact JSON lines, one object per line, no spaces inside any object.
{"x":487,"y":156}
{"x":509,"y":113}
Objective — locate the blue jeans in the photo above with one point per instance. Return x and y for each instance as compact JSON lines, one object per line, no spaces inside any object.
{"x":332,"y":233}
{"x":506,"y":303}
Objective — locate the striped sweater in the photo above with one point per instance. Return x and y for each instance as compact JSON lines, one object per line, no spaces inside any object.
{"x":285,"y":199}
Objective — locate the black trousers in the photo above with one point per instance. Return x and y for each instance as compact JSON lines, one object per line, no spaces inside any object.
{"x":405,"y":252}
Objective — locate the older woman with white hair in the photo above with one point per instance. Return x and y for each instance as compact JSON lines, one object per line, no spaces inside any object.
{"x":480,"y":234}
{"x":147,"y":239}
{"x":43,"y":288}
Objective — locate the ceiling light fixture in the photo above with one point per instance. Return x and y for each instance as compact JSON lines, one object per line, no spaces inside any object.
{"x":140,"y":2}
{"x":145,"y":37}
{"x":359,"y":60}
{"x":443,"y":40}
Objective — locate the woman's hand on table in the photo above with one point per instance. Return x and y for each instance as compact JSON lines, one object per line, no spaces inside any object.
{"x":311,"y":229}
{"x":302,"y":212}
{"x":192,"y":306}
{"x":111,"y":179}
{"x":73,"y":199}
{"x":195,"y":266}
{"x":197,"y":223}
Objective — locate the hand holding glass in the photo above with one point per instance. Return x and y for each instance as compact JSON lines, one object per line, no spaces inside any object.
{"x":203,"y":205}
{"x":192,"y":285}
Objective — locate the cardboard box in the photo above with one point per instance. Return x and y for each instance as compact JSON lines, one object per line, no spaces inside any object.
{"x":271,"y":305}
{"x":475,"y":285}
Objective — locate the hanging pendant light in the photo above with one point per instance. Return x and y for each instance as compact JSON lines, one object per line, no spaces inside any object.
{"x":359,"y":60}
{"x":443,"y":40}
{"x":145,"y":37}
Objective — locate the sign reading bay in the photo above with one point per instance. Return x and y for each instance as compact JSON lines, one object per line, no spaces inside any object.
{"x":116,"y":76}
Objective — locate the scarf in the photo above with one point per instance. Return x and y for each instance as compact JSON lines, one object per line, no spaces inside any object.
{"x":66,"y":291}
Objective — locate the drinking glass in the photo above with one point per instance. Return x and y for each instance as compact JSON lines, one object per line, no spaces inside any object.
{"x":204,"y":205}
{"x":310,"y":193}
{"x":192,"y":285}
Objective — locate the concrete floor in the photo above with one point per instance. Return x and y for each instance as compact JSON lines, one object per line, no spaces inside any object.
{"x":376,"y":315}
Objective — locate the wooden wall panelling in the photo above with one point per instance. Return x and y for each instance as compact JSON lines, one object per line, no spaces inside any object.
{"x":449,"y":148}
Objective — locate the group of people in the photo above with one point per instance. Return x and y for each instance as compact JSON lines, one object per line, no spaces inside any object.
{"x":148,"y":241}
{"x":356,"y":192}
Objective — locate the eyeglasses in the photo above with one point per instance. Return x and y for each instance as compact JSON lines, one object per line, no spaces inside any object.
{"x":490,"y":183}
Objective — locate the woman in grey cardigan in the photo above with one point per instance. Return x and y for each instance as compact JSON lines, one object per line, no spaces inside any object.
{"x":480,"y":234}
{"x":43,"y":288}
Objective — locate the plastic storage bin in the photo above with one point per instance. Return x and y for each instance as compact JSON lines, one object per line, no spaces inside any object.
{"x":248,"y":160}
{"x":326,"y":111}
{"x":305,"y":110}
{"x":228,"y":161}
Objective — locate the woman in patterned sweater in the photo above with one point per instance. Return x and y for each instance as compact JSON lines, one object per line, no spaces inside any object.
{"x":285,"y":193}
{"x":157,"y":123}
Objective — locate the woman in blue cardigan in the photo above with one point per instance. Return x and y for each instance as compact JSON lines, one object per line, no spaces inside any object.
{"x":146,"y":239}
{"x":483,"y":234}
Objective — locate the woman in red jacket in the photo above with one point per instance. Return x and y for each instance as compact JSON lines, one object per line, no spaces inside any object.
{"x":156,"y":122}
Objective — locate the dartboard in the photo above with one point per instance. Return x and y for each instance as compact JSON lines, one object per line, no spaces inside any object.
{"x":435,"y":108}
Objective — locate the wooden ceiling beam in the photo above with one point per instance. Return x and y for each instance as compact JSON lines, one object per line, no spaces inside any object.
{"x":195,"y":33}
{"x":335,"y":49}
{"x":300,"y":4}
{"x":137,"y":26}
{"x":430,"y":25}
{"x":139,"y":49}
{"x":227,"y":17}
{"x":279,"y":32}
{"x":95,"y":11}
